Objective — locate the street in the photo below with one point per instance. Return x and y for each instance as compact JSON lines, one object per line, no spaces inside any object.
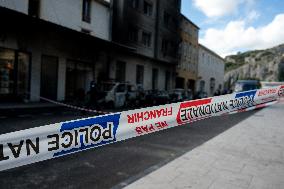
{"x":114,"y":165}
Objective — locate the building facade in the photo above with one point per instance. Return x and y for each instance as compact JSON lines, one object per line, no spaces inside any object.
{"x":210,"y":71}
{"x":150,"y":27}
{"x":188,"y":55}
{"x":53,"y":49}
{"x":89,"y":16}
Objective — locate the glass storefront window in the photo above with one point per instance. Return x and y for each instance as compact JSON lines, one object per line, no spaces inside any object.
{"x":14,"y":75}
{"x":7,"y":77}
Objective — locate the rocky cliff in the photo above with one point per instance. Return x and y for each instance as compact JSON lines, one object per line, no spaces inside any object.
{"x":265,"y":65}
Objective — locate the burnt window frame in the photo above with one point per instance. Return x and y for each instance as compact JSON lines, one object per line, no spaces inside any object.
{"x":166,"y":19}
{"x":148,"y":40}
{"x":140,"y":74}
{"x":134,"y":4}
{"x":133,"y":33}
{"x":147,"y":8}
{"x":34,"y":8}
{"x":86,"y":10}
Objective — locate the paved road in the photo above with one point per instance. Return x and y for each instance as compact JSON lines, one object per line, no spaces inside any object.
{"x":114,"y":165}
{"x":248,"y":156}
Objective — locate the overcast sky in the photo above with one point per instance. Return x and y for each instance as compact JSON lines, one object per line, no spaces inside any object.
{"x":229,"y":26}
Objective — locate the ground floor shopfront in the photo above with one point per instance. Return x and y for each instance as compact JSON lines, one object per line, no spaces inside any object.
{"x":56,"y":63}
{"x":186,"y":80}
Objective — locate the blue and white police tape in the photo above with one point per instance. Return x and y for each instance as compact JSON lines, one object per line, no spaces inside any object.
{"x":59,"y":139}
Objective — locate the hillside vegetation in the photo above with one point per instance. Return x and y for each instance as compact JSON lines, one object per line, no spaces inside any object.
{"x":265,"y":65}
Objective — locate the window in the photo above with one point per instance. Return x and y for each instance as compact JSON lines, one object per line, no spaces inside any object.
{"x":202,"y":86}
{"x":167,"y":80}
{"x":134,"y":4}
{"x":166,"y":19}
{"x":14,"y":75}
{"x":139,"y":74}
{"x":148,"y":8}
{"x":155,"y":79}
{"x":86,"y":11}
{"x":33,"y":9}
{"x":165,"y":46}
{"x":120,"y":71}
{"x":146,"y":39}
{"x":212,"y":85}
{"x":133,"y":34}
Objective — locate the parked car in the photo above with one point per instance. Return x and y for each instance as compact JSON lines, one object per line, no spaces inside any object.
{"x":246,"y":85}
{"x":200,"y":94}
{"x":156,"y":97}
{"x":116,"y":95}
{"x":162,"y":97}
{"x":178,"y":95}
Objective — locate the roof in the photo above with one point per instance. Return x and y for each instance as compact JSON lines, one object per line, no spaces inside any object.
{"x":212,"y":52}
{"x":184,"y":17}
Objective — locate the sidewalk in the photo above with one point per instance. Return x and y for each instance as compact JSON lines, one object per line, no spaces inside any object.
{"x":8,"y":106}
{"x":249,"y":155}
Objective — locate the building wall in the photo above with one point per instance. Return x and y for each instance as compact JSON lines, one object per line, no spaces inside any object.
{"x":17,"y":5}
{"x":210,"y":66}
{"x":168,"y":32}
{"x":132,"y":61}
{"x":126,"y":16}
{"x":68,"y":13}
{"x":188,"y":51}
{"x":51,"y":44}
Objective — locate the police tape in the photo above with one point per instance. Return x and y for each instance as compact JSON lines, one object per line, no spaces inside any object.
{"x":59,"y":139}
{"x":73,"y":107}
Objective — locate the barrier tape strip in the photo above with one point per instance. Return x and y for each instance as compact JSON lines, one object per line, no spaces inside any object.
{"x":50,"y":141}
{"x":68,"y":105}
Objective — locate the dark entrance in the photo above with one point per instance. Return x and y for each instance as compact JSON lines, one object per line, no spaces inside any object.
{"x":78,"y":78}
{"x":120,"y":71}
{"x":191,"y":85}
{"x":49,"y":76}
{"x":180,"y":82}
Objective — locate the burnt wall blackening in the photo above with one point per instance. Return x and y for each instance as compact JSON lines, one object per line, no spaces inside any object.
{"x":150,"y":26}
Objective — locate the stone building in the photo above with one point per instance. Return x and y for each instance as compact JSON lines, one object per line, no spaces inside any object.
{"x":53,"y":48}
{"x":210,"y":71}
{"x":188,"y":55}
{"x":150,"y":27}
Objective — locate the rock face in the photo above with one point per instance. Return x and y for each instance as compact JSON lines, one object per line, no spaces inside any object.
{"x":265,"y":65}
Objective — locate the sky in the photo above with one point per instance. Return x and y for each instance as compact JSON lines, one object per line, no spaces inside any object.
{"x":231,"y":26}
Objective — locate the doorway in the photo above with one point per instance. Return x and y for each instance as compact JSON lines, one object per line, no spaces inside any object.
{"x":49,"y":76}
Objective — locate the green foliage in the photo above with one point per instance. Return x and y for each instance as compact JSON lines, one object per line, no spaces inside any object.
{"x":231,"y":66}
